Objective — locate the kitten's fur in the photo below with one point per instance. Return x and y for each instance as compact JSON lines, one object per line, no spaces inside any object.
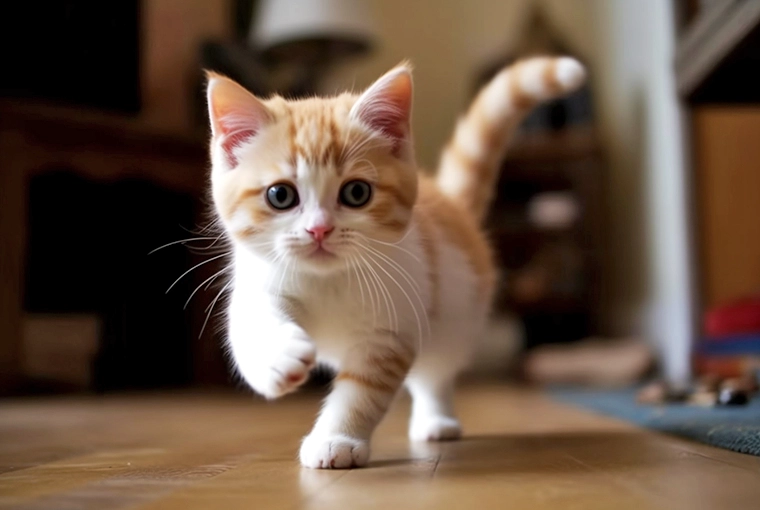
{"x":402,"y":286}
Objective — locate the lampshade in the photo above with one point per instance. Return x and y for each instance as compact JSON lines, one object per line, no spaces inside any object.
{"x":344,"y":26}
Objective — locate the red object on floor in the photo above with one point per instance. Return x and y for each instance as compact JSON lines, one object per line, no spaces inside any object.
{"x":726,"y":366}
{"x":742,"y":316}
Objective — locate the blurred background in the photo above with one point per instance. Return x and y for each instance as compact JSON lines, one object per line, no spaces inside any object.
{"x":627,"y":221}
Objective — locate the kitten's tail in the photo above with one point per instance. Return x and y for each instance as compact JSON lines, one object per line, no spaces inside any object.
{"x":471,"y":160}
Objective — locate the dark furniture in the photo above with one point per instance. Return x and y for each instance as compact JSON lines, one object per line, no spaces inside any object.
{"x":717,"y":55}
{"x":96,"y":181}
{"x":565,"y":263}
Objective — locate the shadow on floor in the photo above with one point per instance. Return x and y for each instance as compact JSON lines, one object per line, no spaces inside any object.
{"x":534,"y":453}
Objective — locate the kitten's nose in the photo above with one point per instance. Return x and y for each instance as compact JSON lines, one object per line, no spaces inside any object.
{"x":319,"y":232}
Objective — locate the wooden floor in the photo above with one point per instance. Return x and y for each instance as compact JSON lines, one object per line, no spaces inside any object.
{"x":191,"y":451}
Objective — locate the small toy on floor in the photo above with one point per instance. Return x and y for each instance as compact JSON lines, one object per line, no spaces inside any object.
{"x":660,"y":392}
{"x":708,"y":391}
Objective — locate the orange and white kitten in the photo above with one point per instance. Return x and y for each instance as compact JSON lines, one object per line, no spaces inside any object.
{"x":345,"y":255}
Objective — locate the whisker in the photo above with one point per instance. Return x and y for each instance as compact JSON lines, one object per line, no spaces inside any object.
{"x":294,"y":281}
{"x":354,"y":263}
{"x":209,"y":280}
{"x":392,"y":245}
{"x":276,"y":261}
{"x":214,"y":225}
{"x":373,"y":282}
{"x":348,"y":151}
{"x":399,"y":268}
{"x":212,"y":251}
{"x":282,"y":277}
{"x":210,"y":308}
{"x":367,"y":144}
{"x":406,"y":234}
{"x":228,"y":268}
{"x":183,"y":241}
{"x":370,"y":165}
{"x":386,"y":297}
{"x":409,"y":299}
{"x":192,"y":268}
{"x":369,"y":292}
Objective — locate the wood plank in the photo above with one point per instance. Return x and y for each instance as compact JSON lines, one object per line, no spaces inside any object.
{"x":216,"y":450}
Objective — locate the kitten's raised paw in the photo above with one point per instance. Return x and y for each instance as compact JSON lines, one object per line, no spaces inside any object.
{"x":288,"y":365}
{"x":333,"y":452}
{"x":435,"y":428}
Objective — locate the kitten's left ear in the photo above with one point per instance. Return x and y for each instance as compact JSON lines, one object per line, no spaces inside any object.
{"x":236,"y":115}
{"x":386,"y":107}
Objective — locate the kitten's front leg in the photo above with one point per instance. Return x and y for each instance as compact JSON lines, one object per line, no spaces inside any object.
{"x":272,"y":353}
{"x":366,"y":383}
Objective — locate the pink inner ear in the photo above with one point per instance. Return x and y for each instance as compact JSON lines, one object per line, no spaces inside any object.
{"x":236,"y":127}
{"x":232,"y":141}
{"x":388,"y":119}
{"x":386,"y":106}
{"x":234,"y":133}
{"x":236,"y":115}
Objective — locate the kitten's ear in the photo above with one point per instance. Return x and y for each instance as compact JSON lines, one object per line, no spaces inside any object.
{"x":387,"y":107}
{"x":235,"y":114}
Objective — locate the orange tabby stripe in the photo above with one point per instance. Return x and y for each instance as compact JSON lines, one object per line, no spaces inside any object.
{"x":363,"y":380}
{"x":404,"y":199}
{"x":393,"y":224}
{"x":335,"y":144}
{"x":246,"y":194}
{"x":380,"y":208}
{"x":431,"y":257}
{"x":492,"y":125}
{"x":293,"y":151}
{"x":518,"y":96}
{"x":393,"y":363}
{"x":246,"y":232}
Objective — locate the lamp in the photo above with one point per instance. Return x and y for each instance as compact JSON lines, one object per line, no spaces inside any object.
{"x":300,"y":39}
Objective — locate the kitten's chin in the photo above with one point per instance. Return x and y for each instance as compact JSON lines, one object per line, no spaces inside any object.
{"x":321,"y":261}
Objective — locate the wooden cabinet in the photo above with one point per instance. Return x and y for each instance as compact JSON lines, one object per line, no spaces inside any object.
{"x":726,"y":153}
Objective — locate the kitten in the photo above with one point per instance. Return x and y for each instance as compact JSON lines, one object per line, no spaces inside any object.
{"x":346,"y":255}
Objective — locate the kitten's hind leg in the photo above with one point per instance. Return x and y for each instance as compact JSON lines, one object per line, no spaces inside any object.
{"x":433,"y":416}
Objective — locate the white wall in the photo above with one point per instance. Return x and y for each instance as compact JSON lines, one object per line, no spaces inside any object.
{"x":629,"y":45}
{"x":650,"y":286}
{"x":449,"y":41}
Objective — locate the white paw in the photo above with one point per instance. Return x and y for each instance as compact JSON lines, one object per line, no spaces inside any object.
{"x":435,"y":428}
{"x":286,"y":366}
{"x":333,"y":452}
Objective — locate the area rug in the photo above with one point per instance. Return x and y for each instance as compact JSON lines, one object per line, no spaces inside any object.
{"x":733,"y":428}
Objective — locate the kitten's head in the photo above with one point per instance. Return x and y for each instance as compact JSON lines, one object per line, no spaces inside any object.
{"x":311,"y":180}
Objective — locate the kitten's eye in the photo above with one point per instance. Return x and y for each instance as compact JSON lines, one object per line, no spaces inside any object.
{"x":282,"y":196}
{"x":355,"y":193}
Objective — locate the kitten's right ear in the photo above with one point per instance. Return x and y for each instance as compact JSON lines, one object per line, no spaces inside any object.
{"x":235,"y":114}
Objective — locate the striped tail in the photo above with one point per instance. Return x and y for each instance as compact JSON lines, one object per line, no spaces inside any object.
{"x":471,"y":161}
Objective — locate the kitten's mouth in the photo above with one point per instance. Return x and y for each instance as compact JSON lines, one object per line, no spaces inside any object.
{"x":321,"y":253}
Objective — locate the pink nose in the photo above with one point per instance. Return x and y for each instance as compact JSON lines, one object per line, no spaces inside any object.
{"x":319,"y":232}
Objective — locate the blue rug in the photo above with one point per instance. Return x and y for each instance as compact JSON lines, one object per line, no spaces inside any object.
{"x":732,"y":428}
